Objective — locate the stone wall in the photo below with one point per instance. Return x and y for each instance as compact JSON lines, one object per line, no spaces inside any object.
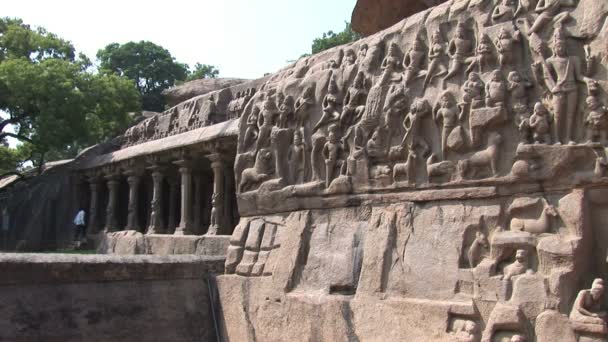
{"x":106,"y":298}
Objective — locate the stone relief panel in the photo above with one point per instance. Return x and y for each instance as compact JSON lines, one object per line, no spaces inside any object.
{"x":495,"y":93}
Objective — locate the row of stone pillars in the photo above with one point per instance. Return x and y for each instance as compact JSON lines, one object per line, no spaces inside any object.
{"x":134,"y":177}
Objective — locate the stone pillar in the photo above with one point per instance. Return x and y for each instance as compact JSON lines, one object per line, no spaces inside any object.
{"x":197,"y":203}
{"x":134,"y":180}
{"x":92,"y":223}
{"x":111,"y":219}
{"x":172,"y":204}
{"x":156,"y":217}
{"x":217,"y":209}
{"x":185,"y":225}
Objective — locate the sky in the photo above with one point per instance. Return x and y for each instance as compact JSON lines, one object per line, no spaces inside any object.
{"x":242,"y":38}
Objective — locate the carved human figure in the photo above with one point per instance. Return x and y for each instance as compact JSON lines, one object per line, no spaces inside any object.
{"x":540,"y":122}
{"x":330,"y":106}
{"x":561,"y":74}
{"x":437,"y":55}
{"x":362,"y":52}
{"x":266,"y":120}
{"x":377,"y":145}
{"x":506,"y":45}
{"x":547,"y":10}
{"x":213,"y":217}
{"x":587,"y":308}
{"x":518,"y":89}
{"x":473,"y":89}
{"x":597,"y":121}
{"x":391,"y":62}
{"x":414,"y":60}
{"x":395,"y":106}
{"x":460,"y":49}
{"x":303,"y":105}
{"x":517,"y":267}
{"x":518,"y":338}
{"x":286,"y":112}
{"x":411,"y":123}
{"x":483,"y":55}
{"x":350,"y":58}
{"x":355,"y":97}
{"x":506,"y":10}
{"x":468,"y":333}
{"x":297,"y":158}
{"x":331,"y":153}
{"x":496,"y":90}
{"x":477,"y":248}
{"x":446,"y":111}
{"x":251,"y":133}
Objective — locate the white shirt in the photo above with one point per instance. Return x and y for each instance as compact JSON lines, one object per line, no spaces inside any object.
{"x":79,"y":219}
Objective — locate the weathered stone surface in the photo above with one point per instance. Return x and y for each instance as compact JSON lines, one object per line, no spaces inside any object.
{"x":371,"y":16}
{"x":188,"y":90}
{"x":106,"y":298}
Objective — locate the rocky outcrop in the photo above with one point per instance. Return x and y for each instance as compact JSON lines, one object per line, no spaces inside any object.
{"x":188,"y":90}
{"x":371,"y":16}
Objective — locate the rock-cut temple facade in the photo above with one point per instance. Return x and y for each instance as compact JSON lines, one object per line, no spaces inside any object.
{"x":444,"y":179}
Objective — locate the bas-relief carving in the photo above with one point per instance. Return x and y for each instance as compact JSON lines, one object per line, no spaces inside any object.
{"x":451,"y":104}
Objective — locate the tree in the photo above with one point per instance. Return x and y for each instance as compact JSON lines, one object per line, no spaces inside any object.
{"x":50,"y":101}
{"x":331,"y":39}
{"x":202,"y":71}
{"x":151,"y":67}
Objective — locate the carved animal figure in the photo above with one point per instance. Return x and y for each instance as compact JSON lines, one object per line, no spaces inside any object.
{"x":438,"y":169}
{"x":260,"y":172}
{"x":482,"y":159}
{"x":477,"y":247}
{"x":406,"y":169}
{"x":538,"y":225}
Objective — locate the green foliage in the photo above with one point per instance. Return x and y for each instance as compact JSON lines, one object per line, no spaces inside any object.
{"x":203,"y":71}
{"x":151,"y":67}
{"x":331,"y":39}
{"x":52,"y":101}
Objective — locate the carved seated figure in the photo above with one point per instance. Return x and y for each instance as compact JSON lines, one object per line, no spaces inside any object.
{"x":597,"y":121}
{"x":496,"y":90}
{"x":587,"y":306}
{"x":468,"y":333}
{"x":519,"y":266}
{"x":473,"y":91}
{"x":539,"y":124}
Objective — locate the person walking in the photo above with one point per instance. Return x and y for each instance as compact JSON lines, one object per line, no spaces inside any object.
{"x":80,"y":226}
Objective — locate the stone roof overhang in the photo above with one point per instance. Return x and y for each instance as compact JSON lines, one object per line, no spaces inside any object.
{"x":174,"y":142}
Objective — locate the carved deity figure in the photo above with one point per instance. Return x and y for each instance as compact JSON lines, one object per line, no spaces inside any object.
{"x":540,"y":124}
{"x":286,"y":112}
{"x":297,"y":157}
{"x":506,"y":10}
{"x":483,"y":54}
{"x":251,"y":133}
{"x":362,"y":52}
{"x":330,"y":106}
{"x":437,"y":55}
{"x":303,"y":105}
{"x":414,"y":60}
{"x":331,"y":152}
{"x":266,"y":120}
{"x":355,"y":97}
{"x":446,"y":111}
{"x":377,"y":145}
{"x":460,"y":49}
{"x":496,"y":90}
{"x":213,"y":219}
{"x":597,"y":120}
{"x":473,"y":89}
{"x":517,"y":267}
{"x":561,"y":74}
{"x":505,"y":45}
{"x":587,"y":308}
